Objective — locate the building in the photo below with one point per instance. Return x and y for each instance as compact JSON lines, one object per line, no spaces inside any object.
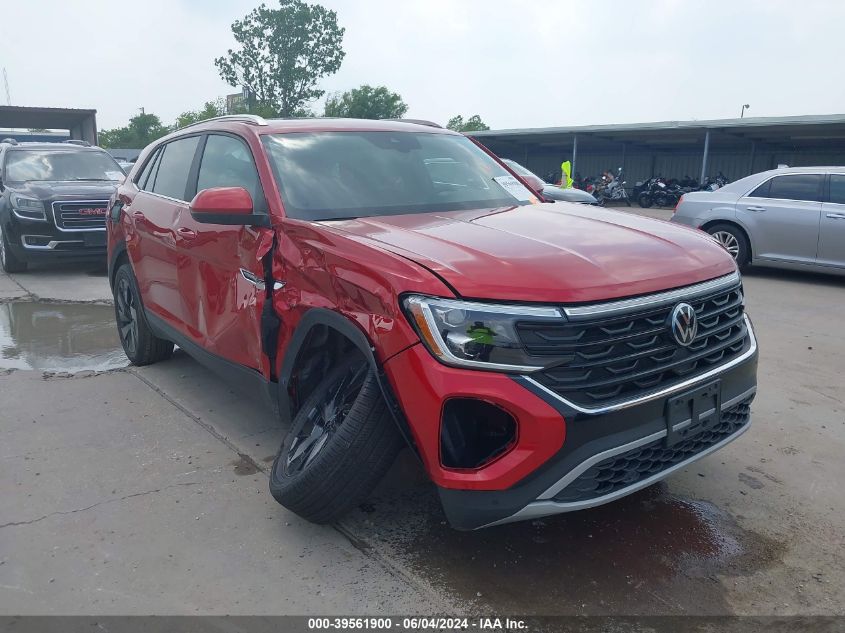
{"x":675,"y":149}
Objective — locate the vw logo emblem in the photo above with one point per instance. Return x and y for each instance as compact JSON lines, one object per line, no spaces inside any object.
{"x":683,"y":324}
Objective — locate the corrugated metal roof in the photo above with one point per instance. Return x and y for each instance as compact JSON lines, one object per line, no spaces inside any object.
{"x":748,"y":122}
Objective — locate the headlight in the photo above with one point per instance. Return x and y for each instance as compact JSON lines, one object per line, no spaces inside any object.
{"x":28,"y":208}
{"x":477,"y":335}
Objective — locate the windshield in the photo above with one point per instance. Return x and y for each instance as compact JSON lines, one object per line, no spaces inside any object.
{"x":336,"y":175}
{"x":522,"y":171}
{"x":60,"y":164}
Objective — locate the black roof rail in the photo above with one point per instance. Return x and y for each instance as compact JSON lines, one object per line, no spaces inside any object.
{"x":10,"y":141}
{"x":417,"y":121}
{"x":76,"y":141}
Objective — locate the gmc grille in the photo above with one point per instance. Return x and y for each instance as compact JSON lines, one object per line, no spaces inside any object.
{"x":80,"y":216}
{"x":613,"y":359}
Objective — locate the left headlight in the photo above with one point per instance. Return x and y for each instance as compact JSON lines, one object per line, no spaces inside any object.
{"x":28,"y":208}
{"x":477,"y":335}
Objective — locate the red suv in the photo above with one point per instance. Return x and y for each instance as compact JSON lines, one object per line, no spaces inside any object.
{"x":384,"y":283}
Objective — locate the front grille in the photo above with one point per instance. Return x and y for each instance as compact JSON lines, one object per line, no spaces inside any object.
{"x":613,"y":359}
{"x":627,"y":469}
{"x":80,"y":216}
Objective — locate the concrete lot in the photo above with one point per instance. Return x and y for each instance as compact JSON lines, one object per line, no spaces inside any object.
{"x":144,"y":491}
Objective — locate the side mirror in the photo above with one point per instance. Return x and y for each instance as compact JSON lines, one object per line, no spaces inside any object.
{"x":226,"y":205}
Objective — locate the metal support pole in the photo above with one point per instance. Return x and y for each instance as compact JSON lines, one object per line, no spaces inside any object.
{"x":706,"y":154}
{"x":751,"y":159}
{"x":574,"y":151}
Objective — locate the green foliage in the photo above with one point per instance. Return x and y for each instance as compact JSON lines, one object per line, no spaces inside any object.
{"x":283,"y":53}
{"x":210,"y":110}
{"x":142,"y":130}
{"x":366,"y":102}
{"x":472,"y":124}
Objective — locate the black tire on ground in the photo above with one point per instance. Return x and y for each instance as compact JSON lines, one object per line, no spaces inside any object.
{"x":733,"y":239}
{"x":322,"y":479}
{"x":644,"y":200}
{"x":8,"y":261}
{"x":141,"y":346}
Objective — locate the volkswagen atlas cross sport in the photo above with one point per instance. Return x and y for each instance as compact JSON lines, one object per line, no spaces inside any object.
{"x":386,"y":282}
{"x":54,"y":202}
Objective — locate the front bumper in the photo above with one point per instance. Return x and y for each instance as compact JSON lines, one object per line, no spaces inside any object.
{"x":34,"y":241}
{"x":564,"y":459}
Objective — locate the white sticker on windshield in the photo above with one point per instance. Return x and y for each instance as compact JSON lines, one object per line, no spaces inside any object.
{"x":115,"y":175}
{"x":515,"y":188}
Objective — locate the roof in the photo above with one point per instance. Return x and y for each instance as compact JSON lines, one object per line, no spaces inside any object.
{"x":40,"y":145}
{"x":792,"y":131}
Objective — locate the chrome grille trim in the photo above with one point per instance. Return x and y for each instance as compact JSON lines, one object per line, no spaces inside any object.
{"x":621,"y":306}
{"x":660,"y":393}
{"x":59,"y":220}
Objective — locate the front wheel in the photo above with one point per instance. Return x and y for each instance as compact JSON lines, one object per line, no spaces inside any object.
{"x":341,"y":443}
{"x":141,"y":346}
{"x":8,"y":261}
{"x":644,"y":200}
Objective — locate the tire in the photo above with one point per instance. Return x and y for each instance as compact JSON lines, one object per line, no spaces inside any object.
{"x":644,"y":200}
{"x":140,"y":345}
{"x":8,"y":261}
{"x":733,"y":239}
{"x":329,"y":477}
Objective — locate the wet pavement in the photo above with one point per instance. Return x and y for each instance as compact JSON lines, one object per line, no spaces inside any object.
{"x":653,"y":553}
{"x":60,"y":337}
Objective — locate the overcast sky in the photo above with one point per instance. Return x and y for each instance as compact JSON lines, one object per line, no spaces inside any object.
{"x":517,"y":64}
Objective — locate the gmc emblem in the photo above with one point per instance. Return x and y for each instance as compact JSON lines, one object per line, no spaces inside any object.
{"x":91,"y":211}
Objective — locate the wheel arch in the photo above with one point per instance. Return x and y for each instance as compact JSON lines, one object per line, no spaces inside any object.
{"x":737,"y":225}
{"x":320,"y":337}
{"x":118,"y":257}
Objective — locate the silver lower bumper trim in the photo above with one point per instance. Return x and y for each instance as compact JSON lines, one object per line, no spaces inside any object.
{"x":545,"y":507}
{"x":49,"y":246}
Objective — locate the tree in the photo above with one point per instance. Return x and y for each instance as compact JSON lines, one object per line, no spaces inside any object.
{"x":210,"y":110}
{"x":142,"y":130}
{"x":283,"y":53}
{"x":472,"y":124}
{"x":366,"y":102}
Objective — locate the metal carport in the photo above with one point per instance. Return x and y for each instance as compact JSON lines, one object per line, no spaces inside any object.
{"x":673,"y":149}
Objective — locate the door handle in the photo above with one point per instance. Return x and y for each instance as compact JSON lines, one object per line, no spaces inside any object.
{"x":836,"y":216}
{"x":186,"y":234}
{"x":756,"y":209}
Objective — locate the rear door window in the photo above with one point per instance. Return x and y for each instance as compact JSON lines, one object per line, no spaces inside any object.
{"x":805,"y":187}
{"x":171,"y":179}
{"x":144,"y":180}
{"x":837,"y":189}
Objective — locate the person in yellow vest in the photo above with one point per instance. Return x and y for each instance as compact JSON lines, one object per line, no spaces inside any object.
{"x":566,"y":178}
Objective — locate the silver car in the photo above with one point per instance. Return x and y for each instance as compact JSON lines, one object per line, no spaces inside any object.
{"x":788,"y":217}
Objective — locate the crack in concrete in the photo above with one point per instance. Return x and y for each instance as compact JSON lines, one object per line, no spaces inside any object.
{"x":99,"y":503}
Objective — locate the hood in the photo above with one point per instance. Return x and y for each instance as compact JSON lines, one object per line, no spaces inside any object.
{"x":549,"y":253}
{"x":65,"y":190}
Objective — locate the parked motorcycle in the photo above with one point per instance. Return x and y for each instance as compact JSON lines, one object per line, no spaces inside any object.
{"x":611,"y":188}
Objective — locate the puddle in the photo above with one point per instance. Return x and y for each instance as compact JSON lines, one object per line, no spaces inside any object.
{"x":59,"y":337}
{"x":652,"y":553}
